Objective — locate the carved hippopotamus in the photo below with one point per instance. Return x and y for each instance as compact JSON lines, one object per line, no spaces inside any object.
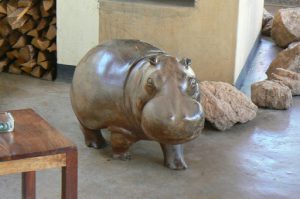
{"x":138,"y":92}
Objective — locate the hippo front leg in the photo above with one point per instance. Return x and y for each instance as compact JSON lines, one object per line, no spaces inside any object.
{"x":173,"y":156}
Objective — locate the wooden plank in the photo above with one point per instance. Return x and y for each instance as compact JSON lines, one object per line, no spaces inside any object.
{"x":32,"y":164}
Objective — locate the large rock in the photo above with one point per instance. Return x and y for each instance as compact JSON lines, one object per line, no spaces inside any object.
{"x":288,"y":59}
{"x":266,"y":30}
{"x":271,"y":94}
{"x":266,"y":17}
{"x":288,"y":78}
{"x":224,"y":105}
{"x":267,"y":23}
{"x":286,"y":26}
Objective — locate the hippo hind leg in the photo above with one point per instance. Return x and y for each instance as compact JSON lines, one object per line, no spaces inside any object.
{"x":93,"y":138}
{"x":173,"y":156}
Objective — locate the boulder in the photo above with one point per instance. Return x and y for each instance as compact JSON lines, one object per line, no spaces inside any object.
{"x":288,"y":59}
{"x":224,"y":105}
{"x":267,"y":23}
{"x":266,"y":17}
{"x":293,"y":45}
{"x":271,"y":94}
{"x":266,"y":30}
{"x":288,"y":78}
{"x":286,"y":28}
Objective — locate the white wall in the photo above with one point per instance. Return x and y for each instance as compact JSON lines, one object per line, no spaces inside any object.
{"x":77,"y":29}
{"x":249,"y":26}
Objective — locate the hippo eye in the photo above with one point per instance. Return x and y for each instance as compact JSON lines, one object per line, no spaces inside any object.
{"x":193,"y":82}
{"x":150,"y":87}
{"x":193,"y":88}
{"x":150,"y":82}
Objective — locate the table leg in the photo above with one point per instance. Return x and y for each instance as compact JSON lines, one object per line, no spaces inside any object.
{"x":69,"y":176}
{"x":28,"y":185}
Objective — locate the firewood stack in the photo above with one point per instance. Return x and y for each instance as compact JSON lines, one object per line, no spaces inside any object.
{"x":28,"y":37}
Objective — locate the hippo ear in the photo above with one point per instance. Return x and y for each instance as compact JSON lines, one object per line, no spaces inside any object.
{"x":153,"y":60}
{"x":186,"y":62}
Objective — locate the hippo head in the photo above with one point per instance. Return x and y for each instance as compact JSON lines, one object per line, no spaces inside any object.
{"x":167,"y":101}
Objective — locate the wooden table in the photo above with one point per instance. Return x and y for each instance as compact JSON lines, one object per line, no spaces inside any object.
{"x":35,"y":145}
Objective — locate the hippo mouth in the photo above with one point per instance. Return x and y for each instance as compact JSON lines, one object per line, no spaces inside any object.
{"x":170,"y":126}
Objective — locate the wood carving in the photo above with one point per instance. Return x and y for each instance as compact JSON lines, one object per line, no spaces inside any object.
{"x":138,"y":92}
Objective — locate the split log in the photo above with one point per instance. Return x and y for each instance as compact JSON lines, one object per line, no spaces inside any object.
{"x":27,"y":70}
{"x":37,"y":71}
{"x":3,"y":65}
{"x":48,"y":4}
{"x":40,"y":43}
{"x":12,"y":55}
{"x":11,"y":6}
{"x":29,"y":64}
{"x":53,"y":21}
{"x":29,"y":25}
{"x":14,"y":68}
{"x":34,"y":12}
{"x":21,"y":42}
{"x":52,"y":48}
{"x":51,"y":32}
{"x":18,"y":18}
{"x":5,"y":27}
{"x":34,"y":33}
{"x":4,"y":46}
{"x":26,"y":54}
{"x":3,"y":7}
{"x":43,"y":23}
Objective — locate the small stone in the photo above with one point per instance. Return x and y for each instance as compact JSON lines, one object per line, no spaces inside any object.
{"x":288,"y":78}
{"x":224,"y":105}
{"x":271,"y":94}
{"x":288,"y":59}
{"x":286,"y":28}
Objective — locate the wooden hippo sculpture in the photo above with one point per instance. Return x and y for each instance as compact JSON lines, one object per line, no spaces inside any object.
{"x":138,"y":92}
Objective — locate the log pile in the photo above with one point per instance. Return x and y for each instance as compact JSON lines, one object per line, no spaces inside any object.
{"x":28,"y":37}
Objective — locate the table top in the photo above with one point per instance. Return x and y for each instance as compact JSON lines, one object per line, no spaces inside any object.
{"x":32,"y":137}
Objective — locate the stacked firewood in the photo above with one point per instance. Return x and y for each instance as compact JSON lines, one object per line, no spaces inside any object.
{"x":28,"y":37}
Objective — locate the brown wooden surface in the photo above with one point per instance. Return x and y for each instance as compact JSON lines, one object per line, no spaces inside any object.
{"x":69,"y":176}
{"x":28,"y":185}
{"x":33,"y":164}
{"x":32,"y":137}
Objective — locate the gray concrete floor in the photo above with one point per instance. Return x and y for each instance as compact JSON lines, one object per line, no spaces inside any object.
{"x":259,"y":159}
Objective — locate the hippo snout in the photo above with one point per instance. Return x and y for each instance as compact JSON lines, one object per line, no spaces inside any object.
{"x":172,"y":121}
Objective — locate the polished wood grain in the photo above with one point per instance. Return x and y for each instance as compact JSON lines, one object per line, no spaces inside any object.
{"x":35,"y":145}
{"x":28,"y":185}
{"x":32,"y":164}
{"x":69,"y":176}
{"x":32,"y":137}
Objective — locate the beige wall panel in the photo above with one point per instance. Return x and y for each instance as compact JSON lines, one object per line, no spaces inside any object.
{"x":206,"y":33}
{"x":78,"y":29}
{"x":249,"y":26}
